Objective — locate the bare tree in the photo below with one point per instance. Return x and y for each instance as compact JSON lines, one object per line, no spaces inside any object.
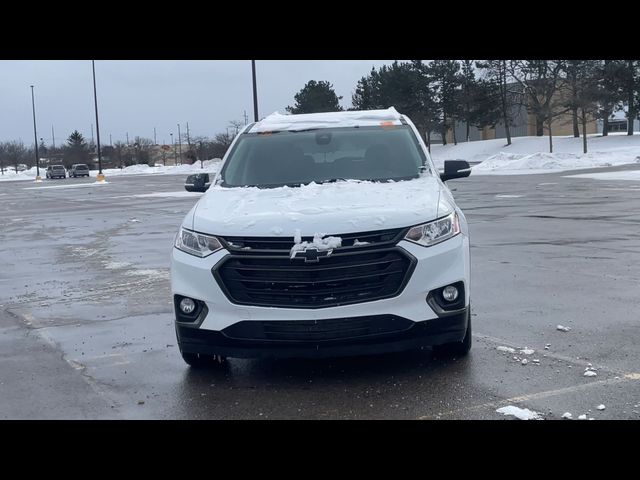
{"x":540,"y":81}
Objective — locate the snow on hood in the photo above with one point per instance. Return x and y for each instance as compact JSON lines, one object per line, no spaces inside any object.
{"x":330,"y":208}
{"x":277,"y":121}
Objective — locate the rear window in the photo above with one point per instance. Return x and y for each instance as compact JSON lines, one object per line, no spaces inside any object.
{"x":324,"y":155}
{"x":81,"y":167}
{"x":58,"y":167}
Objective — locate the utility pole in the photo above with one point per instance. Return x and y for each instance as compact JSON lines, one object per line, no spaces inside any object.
{"x":100,"y":177}
{"x":53,"y":137}
{"x":246,"y":118}
{"x":155,"y":142}
{"x":35,"y":136}
{"x":255,"y":91}
{"x":92,"y":133}
{"x":188,"y":137}
{"x":180,"y":144}
{"x":127,"y":139}
{"x":110,"y":142}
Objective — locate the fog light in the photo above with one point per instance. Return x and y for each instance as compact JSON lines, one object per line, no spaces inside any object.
{"x":188,"y":306}
{"x":450,"y":293}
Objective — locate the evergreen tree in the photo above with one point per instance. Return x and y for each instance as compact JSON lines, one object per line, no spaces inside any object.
{"x":445,"y":81}
{"x":316,"y":97}
{"x":630,"y":89}
{"x":76,"y":150}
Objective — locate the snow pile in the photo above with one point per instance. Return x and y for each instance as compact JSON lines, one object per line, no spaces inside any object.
{"x":601,"y":407}
{"x":519,"y":413}
{"x":530,"y":154}
{"x":563,"y":328}
{"x":208,"y":166}
{"x":567,"y":415}
{"x":320,"y":242}
{"x":507,"y":163}
{"x":10,"y":174}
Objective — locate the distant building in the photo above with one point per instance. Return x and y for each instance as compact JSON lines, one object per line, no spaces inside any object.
{"x":522,"y":124}
{"x":618,"y":123}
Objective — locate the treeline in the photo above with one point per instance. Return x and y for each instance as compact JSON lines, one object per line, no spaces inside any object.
{"x":441,"y":94}
{"x":16,"y":156}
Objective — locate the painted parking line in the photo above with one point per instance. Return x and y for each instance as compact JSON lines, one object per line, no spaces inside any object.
{"x":68,"y":186}
{"x":630,"y":377}
{"x":620,"y":377}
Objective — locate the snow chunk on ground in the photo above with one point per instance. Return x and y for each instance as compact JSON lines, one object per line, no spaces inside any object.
{"x":519,"y":413}
{"x":590,"y":373}
{"x":567,"y":415}
{"x":582,"y":417}
{"x":527,"y":351}
{"x":506,"y":349}
{"x":601,"y":407}
{"x":563,"y":329}
{"x":322,"y":244}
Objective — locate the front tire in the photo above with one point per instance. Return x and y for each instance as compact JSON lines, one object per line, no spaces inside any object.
{"x":457,"y":349}
{"x":199,"y":360}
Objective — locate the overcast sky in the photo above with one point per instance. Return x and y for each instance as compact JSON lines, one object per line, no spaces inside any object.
{"x":136,"y":96}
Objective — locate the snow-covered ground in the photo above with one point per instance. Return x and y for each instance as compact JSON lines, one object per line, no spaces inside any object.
{"x":530,"y":154}
{"x":209,"y":166}
{"x":631,"y":175}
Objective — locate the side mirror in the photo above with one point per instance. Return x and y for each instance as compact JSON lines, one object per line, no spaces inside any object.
{"x":198,"y":182}
{"x":455,"y":169}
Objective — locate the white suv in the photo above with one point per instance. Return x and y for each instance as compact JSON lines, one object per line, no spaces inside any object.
{"x":325,"y":234}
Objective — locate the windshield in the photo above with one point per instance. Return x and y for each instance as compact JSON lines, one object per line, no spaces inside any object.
{"x":324,"y":155}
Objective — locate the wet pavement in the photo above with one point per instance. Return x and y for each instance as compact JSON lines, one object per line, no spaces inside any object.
{"x":86,"y":327}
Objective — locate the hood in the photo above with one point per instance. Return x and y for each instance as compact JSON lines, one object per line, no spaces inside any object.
{"x":330,"y":208}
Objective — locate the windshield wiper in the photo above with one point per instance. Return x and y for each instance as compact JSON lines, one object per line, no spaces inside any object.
{"x":333,"y":180}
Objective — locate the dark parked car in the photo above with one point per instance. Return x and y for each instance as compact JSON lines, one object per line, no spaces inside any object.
{"x":79,"y":170}
{"x":56,"y":171}
{"x":198,"y":182}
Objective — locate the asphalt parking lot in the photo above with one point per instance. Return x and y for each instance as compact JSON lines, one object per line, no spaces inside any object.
{"x":86,"y":326}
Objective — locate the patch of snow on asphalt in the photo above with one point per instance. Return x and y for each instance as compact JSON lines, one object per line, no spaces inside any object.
{"x":506,"y":349}
{"x":519,"y":413}
{"x":562,"y":328}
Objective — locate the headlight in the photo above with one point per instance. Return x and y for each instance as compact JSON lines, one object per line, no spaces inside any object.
{"x":196,"y":244}
{"x":434,"y":232}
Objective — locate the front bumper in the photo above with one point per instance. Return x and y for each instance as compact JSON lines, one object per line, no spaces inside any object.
{"x":451,"y":328}
{"x":437,"y":266}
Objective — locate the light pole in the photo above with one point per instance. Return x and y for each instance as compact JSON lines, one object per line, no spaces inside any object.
{"x":175,"y":155}
{"x":180,"y":144}
{"x":100,"y":177}
{"x":35,"y":135}
{"x":255,"y":91}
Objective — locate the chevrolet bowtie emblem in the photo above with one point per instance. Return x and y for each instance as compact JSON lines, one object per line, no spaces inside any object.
{"x":311,"y":255}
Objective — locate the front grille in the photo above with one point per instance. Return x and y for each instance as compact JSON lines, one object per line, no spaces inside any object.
{"x":318,"y":330}
{"x":258,"y":245}
{"x":349,"y":275}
